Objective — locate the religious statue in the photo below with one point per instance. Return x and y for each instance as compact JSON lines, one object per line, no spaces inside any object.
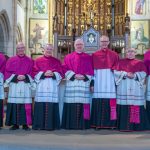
{"x":55,"y":22}
{"x":127,"y":23}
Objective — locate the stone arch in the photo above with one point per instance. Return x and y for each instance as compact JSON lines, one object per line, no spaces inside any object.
{"x":19,"y":36}
{"x":4,"y":30}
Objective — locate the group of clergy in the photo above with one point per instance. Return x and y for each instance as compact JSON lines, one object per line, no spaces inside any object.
{"x":101,"y":90}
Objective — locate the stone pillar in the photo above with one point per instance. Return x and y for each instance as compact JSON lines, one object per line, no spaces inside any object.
{"x":14,"y":27}
{"x":26,"y":39}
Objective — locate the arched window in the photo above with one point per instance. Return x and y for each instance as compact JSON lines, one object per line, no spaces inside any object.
{"x":1,"y":39}
{"x":19,"y":36}
{"x":4,"y":31}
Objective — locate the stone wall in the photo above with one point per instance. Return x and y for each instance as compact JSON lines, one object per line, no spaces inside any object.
{"x":7,"y":26}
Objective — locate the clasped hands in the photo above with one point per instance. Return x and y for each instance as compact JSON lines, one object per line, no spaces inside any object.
{"x":48,"y":73}
{"x":79,"y":77}
{"x":130,"y":75}
{"x":21,"y":77}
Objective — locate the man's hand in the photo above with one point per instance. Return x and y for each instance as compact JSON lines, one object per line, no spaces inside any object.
{"x":21,"y":77}
{"x":79,"y":77}
{"x":92,"y":89}
{"x":49,"y":73}
{"x":130,"y":75}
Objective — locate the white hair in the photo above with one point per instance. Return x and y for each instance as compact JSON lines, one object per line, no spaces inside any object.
{"x":47,"y":45}
{"x":130,"y":48}
{"x":78,"y":41}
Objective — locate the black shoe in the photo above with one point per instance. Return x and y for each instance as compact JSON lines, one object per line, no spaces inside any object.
{"x":14,"y":127}
{"x":97,"y":128}
{"x":25,"y":127}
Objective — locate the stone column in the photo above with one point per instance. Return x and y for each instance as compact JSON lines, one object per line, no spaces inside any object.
{"x":14,"y":27}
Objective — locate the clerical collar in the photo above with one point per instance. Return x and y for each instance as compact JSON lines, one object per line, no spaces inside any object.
{"x":47,"y":56}
{"x":21,"y":56}
{"x":130,"y":58}
{"x":79,"y":52}
{"x":104,"y":50}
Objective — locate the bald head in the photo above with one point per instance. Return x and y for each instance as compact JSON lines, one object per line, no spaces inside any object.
{"x":130,"y":50}
{"x":104,"y":42}
{"x":20,"y":49}
{"x":79,"y":45}
{"x":78,"y":41}
{"x":48,"y":49}
{"x":104,"y":38}
{"x":20,"y":44}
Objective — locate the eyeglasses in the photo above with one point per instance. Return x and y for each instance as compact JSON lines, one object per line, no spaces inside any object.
{"x":21,"y":47}
{"x":104,"y":41}
{"x":79,"y":44}
{"x":49,"y":49}
{"x":131,"y":51}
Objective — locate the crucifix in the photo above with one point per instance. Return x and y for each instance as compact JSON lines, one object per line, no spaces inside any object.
{"x":91,"y":16}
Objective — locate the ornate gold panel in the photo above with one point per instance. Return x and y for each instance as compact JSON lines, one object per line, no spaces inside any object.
{"x":81,"y":14}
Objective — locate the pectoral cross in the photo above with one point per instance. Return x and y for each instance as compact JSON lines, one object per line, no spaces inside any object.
{"x":20,"y":92}
{"x":130,"y":90}
{"x":48,"y":88}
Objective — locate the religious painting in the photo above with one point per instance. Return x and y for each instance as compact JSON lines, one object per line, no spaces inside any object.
{"x":140,"y":9}
{"x":35,"y":56}
{"x":38,"y":32}
{"x":140,"y":35}
{"x":37,"y":49}
{"x":40,"y":6}
{"x":91,"y":38}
